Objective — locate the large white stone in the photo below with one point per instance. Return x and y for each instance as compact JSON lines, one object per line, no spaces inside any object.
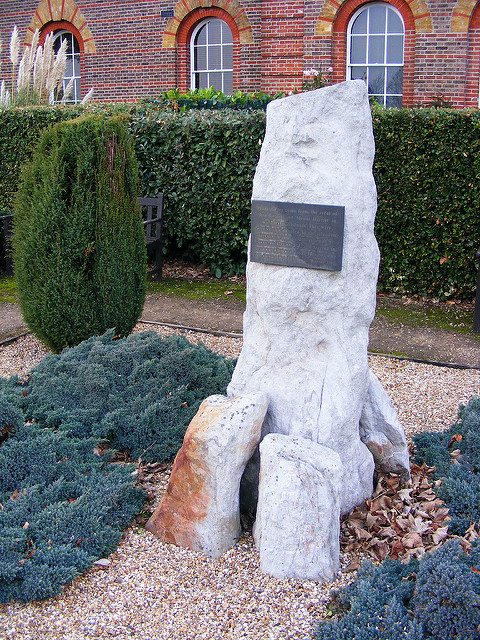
{"x":200,"y":509}
{"x":306,"y":330}
{"x":382,"y":432}
{"x":297,"y":530}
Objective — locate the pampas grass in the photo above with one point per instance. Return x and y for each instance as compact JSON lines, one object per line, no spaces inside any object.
{"x":38,"y":75}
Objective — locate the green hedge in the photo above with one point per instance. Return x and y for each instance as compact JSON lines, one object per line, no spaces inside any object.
{"x":203,"y":161}
{"x":427,"y":166}
{"x":427,"y":169}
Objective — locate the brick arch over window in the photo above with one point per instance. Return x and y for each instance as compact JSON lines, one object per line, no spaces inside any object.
{"x":338,"y":29}
{"x":59,"y":14}
{"x":472,"y":92}
{"x":463,"y":14}
{"x":417,"y":9}
{"x":205,"y":9}
{"x":184,"y":33}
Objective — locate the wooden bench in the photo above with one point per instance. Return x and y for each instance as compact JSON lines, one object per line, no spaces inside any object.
{"x":7,"y":238}
{"x":152,"y":213}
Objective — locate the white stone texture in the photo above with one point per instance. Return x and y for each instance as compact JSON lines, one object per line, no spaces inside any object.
{"x":200,"y":509}
{"x":381,"y":431}
{"x":306,"y":330}
{"x":297,"y":530}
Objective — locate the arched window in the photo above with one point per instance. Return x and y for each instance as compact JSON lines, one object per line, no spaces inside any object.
{"x":73,"y":62}
{"x":211,"y":56}
{"x":375,"y":49}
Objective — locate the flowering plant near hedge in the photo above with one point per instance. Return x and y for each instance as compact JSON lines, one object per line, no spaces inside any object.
{"x":426,"y":167}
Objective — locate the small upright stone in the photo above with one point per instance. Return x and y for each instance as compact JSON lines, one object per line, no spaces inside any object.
{"x":200,"y":509}
{"x":297,"y":530}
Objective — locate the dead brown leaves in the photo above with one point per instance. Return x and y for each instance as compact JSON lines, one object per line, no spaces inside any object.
{"x":400,"y":521}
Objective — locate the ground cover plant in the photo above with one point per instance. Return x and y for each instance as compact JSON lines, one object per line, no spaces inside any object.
{"x":435,"y":594}
{"x":64,"y":496}
{"x":455,"y":454}
{"x":139,"y":393}
{"x":78,"y":242}
{"x":62,"y":507}
{"x":435,"y":597}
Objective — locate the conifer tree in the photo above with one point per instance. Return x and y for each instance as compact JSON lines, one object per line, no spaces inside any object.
{"x":79,"y":245}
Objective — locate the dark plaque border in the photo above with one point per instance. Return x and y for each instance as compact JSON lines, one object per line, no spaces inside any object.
{"x":293,"y":234}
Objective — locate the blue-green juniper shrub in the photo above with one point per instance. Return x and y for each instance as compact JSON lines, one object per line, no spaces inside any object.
{"x":437,"y":597}
{"x":459,"y":475}
{"x":11,"y":418}
{"x":139,"y":393}
{"x":64,"y":500}
{"x":63,"y":507}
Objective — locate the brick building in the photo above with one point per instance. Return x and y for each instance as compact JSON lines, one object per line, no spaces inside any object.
{"x":408,"y":51}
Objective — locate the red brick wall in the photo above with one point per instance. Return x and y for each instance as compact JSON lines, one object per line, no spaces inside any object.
{"x":130,"y":61}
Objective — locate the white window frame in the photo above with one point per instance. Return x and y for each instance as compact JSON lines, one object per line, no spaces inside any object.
{"x":75,"y":95}
{"x":223,"y":70}
{"x":368,"y":65}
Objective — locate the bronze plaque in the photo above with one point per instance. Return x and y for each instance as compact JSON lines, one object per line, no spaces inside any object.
{"x":297,"y":235}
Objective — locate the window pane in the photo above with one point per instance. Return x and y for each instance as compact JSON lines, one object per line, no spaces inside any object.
{"x":395,"y":80}
{"x":200,"y":58}
{"x":358,"y":53}
{"x":228,"y":56}
{"x":201,"y":81}
{"x":214,"y":31}
{"x":228,"y":83}
{"x":394,"y":101}
{"x":69,"y":68}
{"x":216,"y":80}
{"x":378,"y":99}
{"x":394,"y":22}
{"x":394,"y":49}
{"x":376,"y":50}
{"x":226,"y":33}
{"x":77,"y":92}
{"x":376,"y":80}
{"x":215,"y":57}
{"x":201,"y":37}
{"x":359,"y":73}
{"x":68,"y":40}
{"x":76,"y":66}
{"x":360,"y":24}
{"x":377,"y":18}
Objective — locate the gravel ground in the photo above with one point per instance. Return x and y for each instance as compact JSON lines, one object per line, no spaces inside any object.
{"x":154,"y":591}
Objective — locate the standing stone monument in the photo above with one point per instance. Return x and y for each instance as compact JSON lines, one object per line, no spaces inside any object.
{"x":311,"y":294}
{"x":306,"y":328}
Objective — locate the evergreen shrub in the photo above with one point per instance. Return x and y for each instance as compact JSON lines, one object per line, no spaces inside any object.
{"x":79,"y":245}
{"x":460,"y":474}
{"x":63,"y":507}
{"x":139,"y":393}
{"x":435,"y":597}
{"x":426,"y":168}
{"x":203,"y":162}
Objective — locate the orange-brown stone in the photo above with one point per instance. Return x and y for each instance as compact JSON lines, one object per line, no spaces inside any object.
{"x":200,"y":509}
